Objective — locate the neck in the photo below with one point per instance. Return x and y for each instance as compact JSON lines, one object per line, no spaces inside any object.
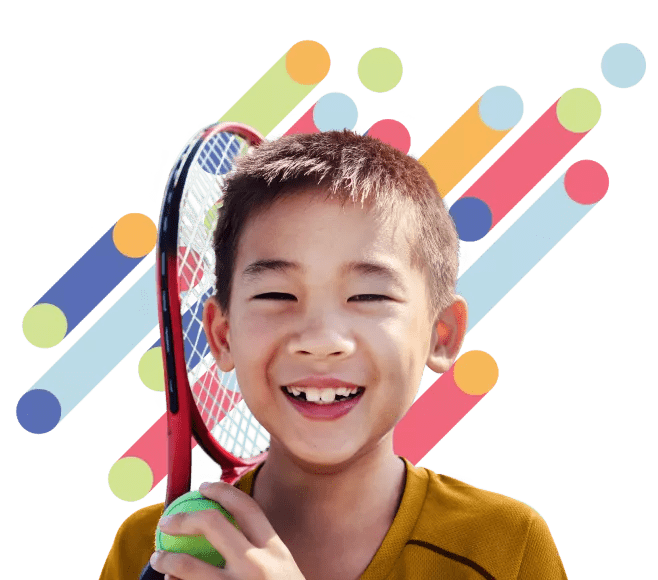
{"x":304,"y":499}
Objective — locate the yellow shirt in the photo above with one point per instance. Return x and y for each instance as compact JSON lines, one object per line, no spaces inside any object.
{"x":443,"y":529}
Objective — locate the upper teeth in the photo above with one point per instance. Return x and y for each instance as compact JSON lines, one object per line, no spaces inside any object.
{"x":324,"y":395}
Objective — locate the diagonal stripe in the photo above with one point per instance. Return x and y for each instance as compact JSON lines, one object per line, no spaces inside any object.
{"x":270,"y":100}
{"x":103,"y":346}
{"x":79,"y":370}
{"x":483,"y":285}
{"x":524,"y":164}
{"x":518,"y":250}
{"x":460,"y":149}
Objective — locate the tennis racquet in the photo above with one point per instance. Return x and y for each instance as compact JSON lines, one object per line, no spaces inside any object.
{"x":202,"y":401}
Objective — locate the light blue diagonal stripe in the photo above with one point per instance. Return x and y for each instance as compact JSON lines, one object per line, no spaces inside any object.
{"x":104,"y":345}
{"x":518,"y":250}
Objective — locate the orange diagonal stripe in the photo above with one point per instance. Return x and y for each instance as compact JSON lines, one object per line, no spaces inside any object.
{"x":460,"y":149}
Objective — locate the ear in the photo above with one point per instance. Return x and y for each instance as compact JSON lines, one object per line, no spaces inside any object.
{"x":215,"y":325}
{"x":448,"y":335}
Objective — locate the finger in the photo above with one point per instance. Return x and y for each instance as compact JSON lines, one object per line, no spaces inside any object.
{"x":213,"y":524}
{"x":184,"y":567}
{"x":249,"y":516}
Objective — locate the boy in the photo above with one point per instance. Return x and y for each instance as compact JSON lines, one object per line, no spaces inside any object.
{"x":336,"y":267}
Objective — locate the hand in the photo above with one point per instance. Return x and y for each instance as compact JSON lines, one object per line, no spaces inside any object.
{"x":254,"y":552}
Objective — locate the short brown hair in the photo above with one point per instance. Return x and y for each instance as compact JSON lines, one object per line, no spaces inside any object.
{"x":349,"y":167}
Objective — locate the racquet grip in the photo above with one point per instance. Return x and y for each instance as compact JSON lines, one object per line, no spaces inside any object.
{"x":149,"y":573}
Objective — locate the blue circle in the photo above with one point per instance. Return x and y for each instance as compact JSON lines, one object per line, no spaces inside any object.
{"x":216,"y":155}
{"x":472,"y":218}
{"x":623,"y":65}
{"x":38,"y":411}
{"x":335,"y":112}
{"x":501,"y":108}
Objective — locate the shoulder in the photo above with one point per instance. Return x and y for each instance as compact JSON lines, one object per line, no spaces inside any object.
{"x":485,"y":530}
{"x":465,"y":505}
{"x":140,"y":524}
{"x":133,"y":545}
{"x":478,"y":513}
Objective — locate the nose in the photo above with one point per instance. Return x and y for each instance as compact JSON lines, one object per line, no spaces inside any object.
{"x":321,"y":338}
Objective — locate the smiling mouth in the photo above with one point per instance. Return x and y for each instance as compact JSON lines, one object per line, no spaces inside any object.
{"x":333,"y":397}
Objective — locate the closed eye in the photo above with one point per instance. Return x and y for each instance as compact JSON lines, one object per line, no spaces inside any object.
{"x":274,"y":296}
{"x":369,"y":297}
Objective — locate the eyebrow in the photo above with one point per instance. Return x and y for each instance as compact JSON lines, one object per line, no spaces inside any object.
{"x":370,"y":269}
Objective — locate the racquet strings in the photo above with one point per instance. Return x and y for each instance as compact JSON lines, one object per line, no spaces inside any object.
{"x":216,"y":393}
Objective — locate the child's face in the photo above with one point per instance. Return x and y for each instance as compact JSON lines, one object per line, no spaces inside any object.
{"x":314,"y":326}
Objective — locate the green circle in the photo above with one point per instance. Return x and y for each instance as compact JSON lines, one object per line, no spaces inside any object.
{"x":130,"y":478}
{"x":578,"y":110}
{"x":45,"y":325}
{"x":151,"y":369}
{"x":197,"y":546}
{"x":380,"y":70}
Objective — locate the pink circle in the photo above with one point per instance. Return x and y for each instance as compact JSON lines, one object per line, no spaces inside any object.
{"x":586,"y":182}
{"x":392,"y":132}
{"x":190,"y":272}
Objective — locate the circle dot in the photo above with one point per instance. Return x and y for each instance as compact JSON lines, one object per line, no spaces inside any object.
{"x":475,"y":372}
{"x":38,"y":411}
{"x":623,"y":65}
{"x":151,"y":369}
{"x":130,"y":478}
{"x":210,"y":221}
{"x":472,"y":218}
{"x":392,"y":132}
{"x":501,"y":108}
{"x":586,"y":182}
{"x":45,"y":325}
{"x":335,"y":112}
{"x":380,"y":70}
{"x":134,"y":235}
{"x":307,"y":62}
{"x":578,"y":110}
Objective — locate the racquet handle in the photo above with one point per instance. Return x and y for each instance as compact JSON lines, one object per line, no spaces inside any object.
{"x":149,"y":573}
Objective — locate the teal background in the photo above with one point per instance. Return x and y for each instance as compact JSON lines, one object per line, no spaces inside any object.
{"x":100,"y":97}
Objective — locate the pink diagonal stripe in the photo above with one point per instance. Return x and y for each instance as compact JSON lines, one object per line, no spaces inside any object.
{"x":524,"y":164}
{"x":150,"y":448}
{"x":431,"y":417}
{"x":305,"y":124}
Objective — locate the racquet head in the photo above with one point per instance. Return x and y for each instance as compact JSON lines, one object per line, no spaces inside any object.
{"x":202,"y":401}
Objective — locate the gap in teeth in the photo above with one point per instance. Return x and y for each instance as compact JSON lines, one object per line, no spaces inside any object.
{"x":323,"y":396}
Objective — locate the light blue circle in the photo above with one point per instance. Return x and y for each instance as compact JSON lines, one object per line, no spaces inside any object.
{"x":501,"y":108}
{"x":335,"y":112}
{"x":623,"y":65}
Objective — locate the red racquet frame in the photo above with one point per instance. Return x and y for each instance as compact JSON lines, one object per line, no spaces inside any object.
{"x":183,"y":417}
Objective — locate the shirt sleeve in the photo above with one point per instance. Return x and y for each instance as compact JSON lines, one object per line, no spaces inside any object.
{"x":541,"y":559}
{"x":133,"y":545}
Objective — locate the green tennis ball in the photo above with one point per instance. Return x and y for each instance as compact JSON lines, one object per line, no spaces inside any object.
{"x":196,"y":546}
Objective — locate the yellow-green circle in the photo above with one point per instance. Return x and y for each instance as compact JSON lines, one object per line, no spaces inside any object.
{"x":45,"y":325}
{"x":380,"y":70}
{"x":130,"y":478}
{"x":151,"y":369}
{"x":578,"y":110}
{"x":210,"y":221}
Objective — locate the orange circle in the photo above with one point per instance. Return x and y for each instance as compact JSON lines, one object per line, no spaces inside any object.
{"x":134,"y":235}
{"x":307,"y":62}
{"x":475,"y":372}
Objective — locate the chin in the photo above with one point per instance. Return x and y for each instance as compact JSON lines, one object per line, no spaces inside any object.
{"x":325,"y":461}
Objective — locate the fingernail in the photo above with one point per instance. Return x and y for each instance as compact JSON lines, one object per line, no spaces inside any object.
{"x":204,"y":486}
{"x":165,"y":521}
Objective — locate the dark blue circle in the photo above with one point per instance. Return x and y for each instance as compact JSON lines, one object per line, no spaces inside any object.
{"x":38,"y":411}
{"x":216,"y":155}
{"x":472,"y":218}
